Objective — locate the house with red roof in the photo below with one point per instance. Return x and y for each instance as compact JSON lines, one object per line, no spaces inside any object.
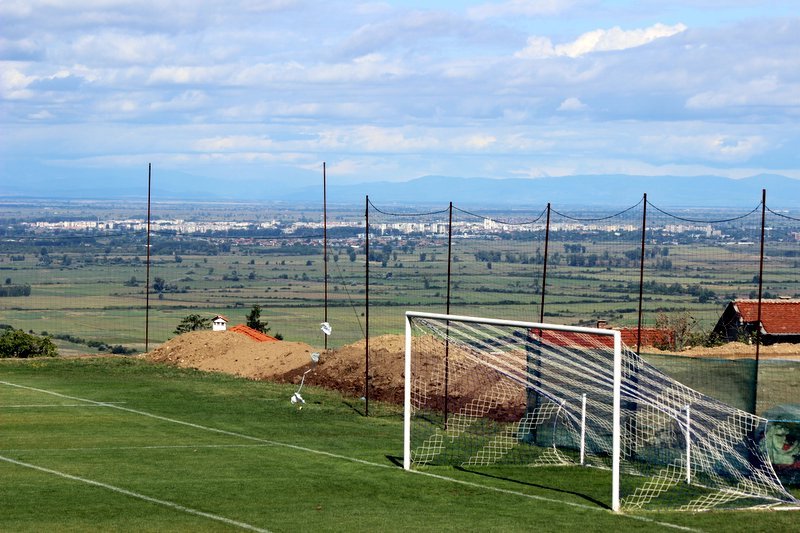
{"x":219,"y":323}
{"x":779,"y":321}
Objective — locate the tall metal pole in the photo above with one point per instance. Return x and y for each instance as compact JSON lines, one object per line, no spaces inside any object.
{"x":760,"y":293}
{"x":544,"y":267}
{"x":449,"y":256}
{"x":447,"y":308}
{"x":325,"y":242}
{"x":366,"y":306}
{"x":641,"y":276}
{"x":147,"y":281}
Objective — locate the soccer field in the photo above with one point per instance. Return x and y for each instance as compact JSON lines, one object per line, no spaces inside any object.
{"x":120,"y":444}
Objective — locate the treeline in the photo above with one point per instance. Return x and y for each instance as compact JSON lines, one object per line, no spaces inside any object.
{"x":702,"y":294}
{"x":15,"y":290}
{"x":98,"y":345}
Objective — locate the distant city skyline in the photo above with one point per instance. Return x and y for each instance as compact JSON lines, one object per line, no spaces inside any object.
{"x":263,"y":91}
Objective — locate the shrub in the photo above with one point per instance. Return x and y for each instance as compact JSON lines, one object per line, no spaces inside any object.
{"x":192,"y":323}
{"x":17,"y":343}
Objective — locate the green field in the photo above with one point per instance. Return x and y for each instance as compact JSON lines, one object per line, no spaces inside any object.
{"x":91,"y":285}
{"x":103,"y":297}
{"x":117,"y":444}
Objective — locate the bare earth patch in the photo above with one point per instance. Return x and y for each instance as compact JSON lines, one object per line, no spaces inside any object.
{"x":344,"y":369}
{"x":232,"y":353}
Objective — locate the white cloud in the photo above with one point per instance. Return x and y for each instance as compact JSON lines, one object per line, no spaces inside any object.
{"x":181,"y":75}
{"x":712,"y":147}
{"x":119,"y":48}
{"x":764,"y":91}
{"x":13,"y":82}
{"x":41,"y":115}
{"x":185,"y":101}
{"x":375,"y":139}
{"x":233,"y":143}
{"x":597,"y":41}
{"x":477,"y":142}
{"x":572,"y":104}
{"x":634,"y":167}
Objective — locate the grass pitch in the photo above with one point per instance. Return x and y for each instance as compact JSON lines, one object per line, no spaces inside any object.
{"x":118,"y":444}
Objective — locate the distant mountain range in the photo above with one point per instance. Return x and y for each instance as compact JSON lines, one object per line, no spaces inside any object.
{"x":597,"y":190}
{"x":589,"y":191}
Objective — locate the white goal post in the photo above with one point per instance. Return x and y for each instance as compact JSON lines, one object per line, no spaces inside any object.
{"x":481,"y":392}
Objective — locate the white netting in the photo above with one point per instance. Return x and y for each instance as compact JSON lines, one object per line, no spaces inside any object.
{"x":486,"y":394}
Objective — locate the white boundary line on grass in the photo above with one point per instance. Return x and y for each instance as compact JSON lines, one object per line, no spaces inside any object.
{"x":119,"y":448}
{"x":41,"y":405}
{"x":132,"y":494}
{"x":327,"y":454}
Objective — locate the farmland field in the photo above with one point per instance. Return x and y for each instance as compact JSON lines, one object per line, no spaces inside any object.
{"x":88,"y":288}
{"x":121,"y":444}
{"x":97,"y":289}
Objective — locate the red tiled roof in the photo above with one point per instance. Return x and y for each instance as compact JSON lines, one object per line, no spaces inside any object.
{"x":252,"y":333}
{"x":778,"y":317}
{"x":222,"y":317}
{"x":650,"y":337}
{"x":574,"y":339}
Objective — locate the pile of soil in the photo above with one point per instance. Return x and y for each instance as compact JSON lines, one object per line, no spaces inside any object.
{"x":344,"y":369}
{"x":285,"y":362}
{"x":232,"y":353}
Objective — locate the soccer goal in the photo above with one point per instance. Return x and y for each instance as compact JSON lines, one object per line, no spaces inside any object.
{"x":481,"y":392}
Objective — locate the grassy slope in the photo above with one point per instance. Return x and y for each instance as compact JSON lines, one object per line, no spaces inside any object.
{"x":323,"y":468}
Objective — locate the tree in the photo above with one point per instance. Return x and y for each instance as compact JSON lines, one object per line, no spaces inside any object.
{"x":192,"y":322}
{"x":681,"y":328}
{"x":254,"y":320}
{"x":17,"y":343}
{"x":159,"y":284}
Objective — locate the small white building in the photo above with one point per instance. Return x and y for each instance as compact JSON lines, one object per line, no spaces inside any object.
{"x":219,"y":323}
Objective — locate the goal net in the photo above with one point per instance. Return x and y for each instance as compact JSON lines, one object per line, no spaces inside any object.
{"x":482,"y":392}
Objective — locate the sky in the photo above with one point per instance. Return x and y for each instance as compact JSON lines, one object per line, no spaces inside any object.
{"x":264,"y":91}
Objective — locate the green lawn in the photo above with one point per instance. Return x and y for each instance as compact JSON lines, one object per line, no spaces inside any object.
{"x":118,"y":444}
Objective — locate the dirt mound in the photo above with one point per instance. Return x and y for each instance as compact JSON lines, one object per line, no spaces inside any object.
{"x":232,"y":353}
{"x":344,"y":369}
{"x":281,"y":361}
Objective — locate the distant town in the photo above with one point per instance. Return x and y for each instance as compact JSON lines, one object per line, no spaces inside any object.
{"x":461,"y":229}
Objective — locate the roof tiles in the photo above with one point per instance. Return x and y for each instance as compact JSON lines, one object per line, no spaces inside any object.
{"x":252,"y":333}
{"x":778,"y":317}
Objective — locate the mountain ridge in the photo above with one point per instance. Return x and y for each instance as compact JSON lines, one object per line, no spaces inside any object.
{"x":601,"y":190}
{"x":583,"y":190}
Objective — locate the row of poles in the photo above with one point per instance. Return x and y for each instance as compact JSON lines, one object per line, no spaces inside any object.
{"x":449,"y":274}
{"x":544,"y":285}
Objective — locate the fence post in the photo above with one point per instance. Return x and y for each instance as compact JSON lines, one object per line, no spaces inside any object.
{"x":147,"y":281}
{"x":544,"y":265}
{"x":760,"y":292}
{"x":366,"y":306}
{"x":325,"y":244}
{"x":449,"y":256}
{"x":447,"y":307}
{"x":641,"y":276}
